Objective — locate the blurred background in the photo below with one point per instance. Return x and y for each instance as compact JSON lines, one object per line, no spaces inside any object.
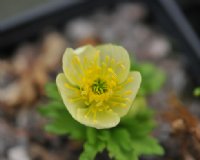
{"x":34,"y":35}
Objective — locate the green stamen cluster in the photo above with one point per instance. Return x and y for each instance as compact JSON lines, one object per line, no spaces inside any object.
{"x":99,"y":86}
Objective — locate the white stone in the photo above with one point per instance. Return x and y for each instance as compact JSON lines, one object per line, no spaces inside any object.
{"x":80,"y":28}
{"x":18,"y":153}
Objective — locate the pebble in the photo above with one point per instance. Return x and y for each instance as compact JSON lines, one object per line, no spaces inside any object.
{"x":51,"y":51}
{"x":176,"y":77}
{"x":194,"y":107}
{"x":158,"y":47}
{"x":130,"y":12}
{"x":18,"y":153}
{"x":80,"y":29}
{"x":7,"y":138}
{"x":9,"y":85}
{"x":24,"y":57}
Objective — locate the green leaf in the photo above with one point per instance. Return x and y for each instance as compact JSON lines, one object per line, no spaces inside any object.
{"x":52,"y":91}
{"x":118,"y":149}
{"x":147,"y":146}
{"x":152,"y":78}
{"x":91,"y":135}
{"x":139,"y":125}
{"x":56,"y":128}
{"x":118,"y":143}
{"x":51,"y":109}
{"x":139,"y":104}
{"x":63,"y":123}
{"x":197,"y":92}
{"x":123,"y":138}
{"x":90,"y":150}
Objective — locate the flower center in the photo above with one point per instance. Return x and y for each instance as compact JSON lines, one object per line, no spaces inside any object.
{"x":99,"y":86}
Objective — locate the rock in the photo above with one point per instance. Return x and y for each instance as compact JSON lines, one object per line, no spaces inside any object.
{"x":39,"y":77}
{"x":107,"y":34}
{"x":24,"y":58}
{"x":176,"y":77}
{"x":18,"y":86}
{"x":23,"y":118}
{"x":146,"y":44}
{"x":131,"y":12}
{"x":11,"y":94}
{"x":9,"y":85}
{"x":28,"y":93}
{"x":18,"y":153}
{"x":158,"y":47}
{"x":117,"y":27}
{"x":79,"y":29}
{"x":30,"y":124}
{"x":7,"y":138}
{"x":15,"y":87}
{"x":39,"y":152}
{"x":51,"y":51}
{"x":193,"y":106}
{"x":178,"y":125}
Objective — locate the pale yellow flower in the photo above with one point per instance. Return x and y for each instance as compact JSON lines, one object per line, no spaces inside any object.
{"x":97,"y":85}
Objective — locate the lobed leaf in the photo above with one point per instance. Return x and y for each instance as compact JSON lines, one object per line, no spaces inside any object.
{"x":147,"y":146}
{"x":52,"y":91}
{"x":90,"y":150}
{"x":152,"y":78}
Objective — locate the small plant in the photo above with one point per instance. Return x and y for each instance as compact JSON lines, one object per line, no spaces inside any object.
{"x":100,"y":108}
{"x":197,"y":92}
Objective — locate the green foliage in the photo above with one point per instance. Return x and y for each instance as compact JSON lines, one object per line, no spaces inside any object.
{"x":61,"y":121}
{"x":152,"y":78}
{"x":52,"y":92}
{"x":127,"y":141}
{"x":92,"y":145}
{"x":197,"y":92}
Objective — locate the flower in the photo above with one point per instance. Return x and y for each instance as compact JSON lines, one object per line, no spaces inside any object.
{"x":97,"y":86}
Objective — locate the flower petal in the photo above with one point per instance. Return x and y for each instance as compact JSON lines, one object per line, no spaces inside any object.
{"x":76,"y":61}
{"x":128,"y":92}
{"x":70,"y":95}
{"x":117,"y":58}
{"x":104,"y":119}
